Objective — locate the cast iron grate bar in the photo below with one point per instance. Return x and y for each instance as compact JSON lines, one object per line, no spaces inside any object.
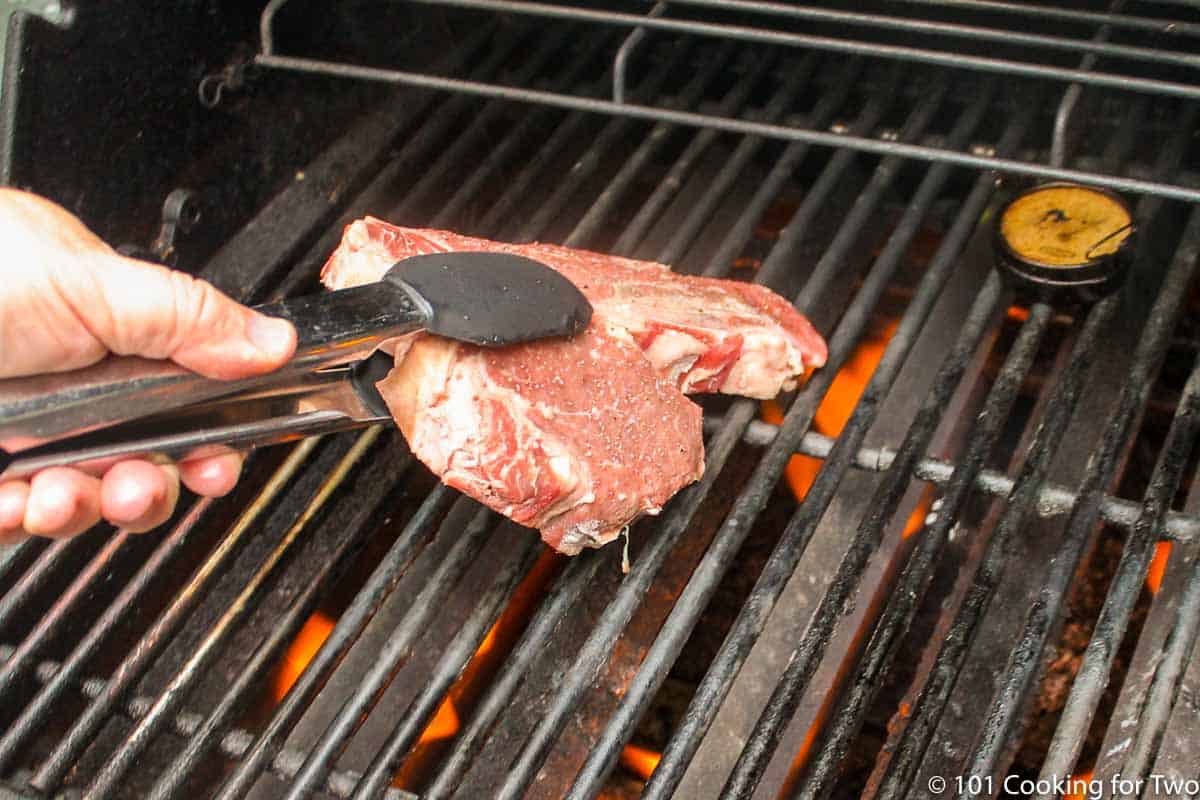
{"x":595,"y":651}
{"x":830,"y":267}
{"x":848,"y":716}
{"x":751,"y":621}
{"x":420,"y":147}
{"x":158,"y":638}
{"x":382,"y":471}
{"x":604,"y":756}
{"x":320,"y":760}
{"x":14,"y":557}
{"x":251,"y":263}
{"x":599,"y":645}
{"x":394,"y":651}
{"x":35,"y":577}
{"x":502,"y":153}
{"x":847,"y":335}
{"x":586,"y":229}
{"x":1164,"y":694}
{"x":465,"y":644}
{"x":36,"y":713}
{"x":961,"y":58}
{"x":1152,"y":350}
{"x":934,"y":694}
{"x":107,"y":780}
{"x":50,"y":623}
{"x":232,"y":744}
{"x":846,"y":719}
{"x":85,"y":727}
{"x":51,"y":771}
{"x":673,"y":181}
{"x":615,"y":131}
{"x":472,"y":738}
{"x":1053,"y":499}
{"x":485,"y":120}
{"x":811,"y":647}
{"x":719,"y":264}
{"x":1131,"y":574}
{"x":573,"y":582}
{"x":998,"y":406}
{"x":798,"y":75}
{"x":309,"y":771}
{"x":579,"y":574}
{"x":383,"y":580}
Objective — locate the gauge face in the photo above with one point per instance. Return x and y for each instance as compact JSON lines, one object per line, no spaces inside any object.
{"x":1065,"y":226}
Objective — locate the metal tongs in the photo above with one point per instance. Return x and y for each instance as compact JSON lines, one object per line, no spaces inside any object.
{"x":126,"y":406}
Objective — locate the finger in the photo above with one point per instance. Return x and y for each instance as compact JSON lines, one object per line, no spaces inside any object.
{"x":137,"y":308}
{"x":138,"y":496}
{"x":13,"y":495}
{"x":214,"y":476}
{"x":13,"y":538}
{"x":62,"y":502}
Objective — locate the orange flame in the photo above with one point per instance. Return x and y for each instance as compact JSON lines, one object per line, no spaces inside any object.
{"x":445,"y":722}
{"x":1079,"y":784}
{"x":504,"y":633}
{"x":640,"y":761}
{"x":801,"y":471}
{"x":308,"y":641}
{"x":301,"y":651}
{"x":443,"y":725}
{"x":828,"y":704}
{"x":835,"y":408}
{"x":831,"y":417}
{"x":1017,"y":313}
{"x":492,"y":650}
{"x":851,"y":380}
{"x":1158,"y":566}
{"x":916,"y":520}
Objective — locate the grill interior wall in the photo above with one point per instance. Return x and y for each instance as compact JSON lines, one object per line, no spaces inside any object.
{"x":446,"y":141}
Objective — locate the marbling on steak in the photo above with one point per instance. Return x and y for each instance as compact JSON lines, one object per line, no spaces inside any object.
{"x":580,"y":437}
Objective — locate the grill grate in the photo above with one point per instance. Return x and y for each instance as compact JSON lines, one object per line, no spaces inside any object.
{"x":156,"y":692}
{"x":1138,"y":63}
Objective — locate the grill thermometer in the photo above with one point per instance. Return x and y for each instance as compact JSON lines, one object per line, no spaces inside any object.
{"x":1061,"y":235}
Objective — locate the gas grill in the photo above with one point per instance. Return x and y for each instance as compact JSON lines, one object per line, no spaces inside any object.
{"x":960,"y":559}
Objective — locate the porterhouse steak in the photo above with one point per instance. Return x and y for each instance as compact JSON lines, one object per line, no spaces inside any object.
{"x":580,"y":437}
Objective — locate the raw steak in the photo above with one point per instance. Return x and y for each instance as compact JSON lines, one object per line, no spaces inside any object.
{"x":546,"y":434}
{"x":580,"y":437}
{"x":707,"y":335}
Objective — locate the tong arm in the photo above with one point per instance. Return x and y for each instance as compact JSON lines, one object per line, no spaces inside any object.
{"x":332,"y":328}
{"x":326,"y":401}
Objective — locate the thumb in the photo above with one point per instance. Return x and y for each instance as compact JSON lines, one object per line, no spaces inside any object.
{"x":137,"y":308}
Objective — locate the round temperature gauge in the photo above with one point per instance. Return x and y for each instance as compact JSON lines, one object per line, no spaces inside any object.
{"x":1065,"y":235}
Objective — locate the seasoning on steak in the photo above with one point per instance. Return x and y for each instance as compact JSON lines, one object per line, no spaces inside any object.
{"x":575,"y":438}
{"x":580,"y":437}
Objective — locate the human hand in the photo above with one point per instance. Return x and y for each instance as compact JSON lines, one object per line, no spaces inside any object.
{"x":67,"y":299}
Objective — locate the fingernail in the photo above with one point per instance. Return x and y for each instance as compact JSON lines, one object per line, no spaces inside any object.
{"x":271,"y":335}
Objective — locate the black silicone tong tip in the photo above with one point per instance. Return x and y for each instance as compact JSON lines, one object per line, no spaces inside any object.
{"x":492,"y":299}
